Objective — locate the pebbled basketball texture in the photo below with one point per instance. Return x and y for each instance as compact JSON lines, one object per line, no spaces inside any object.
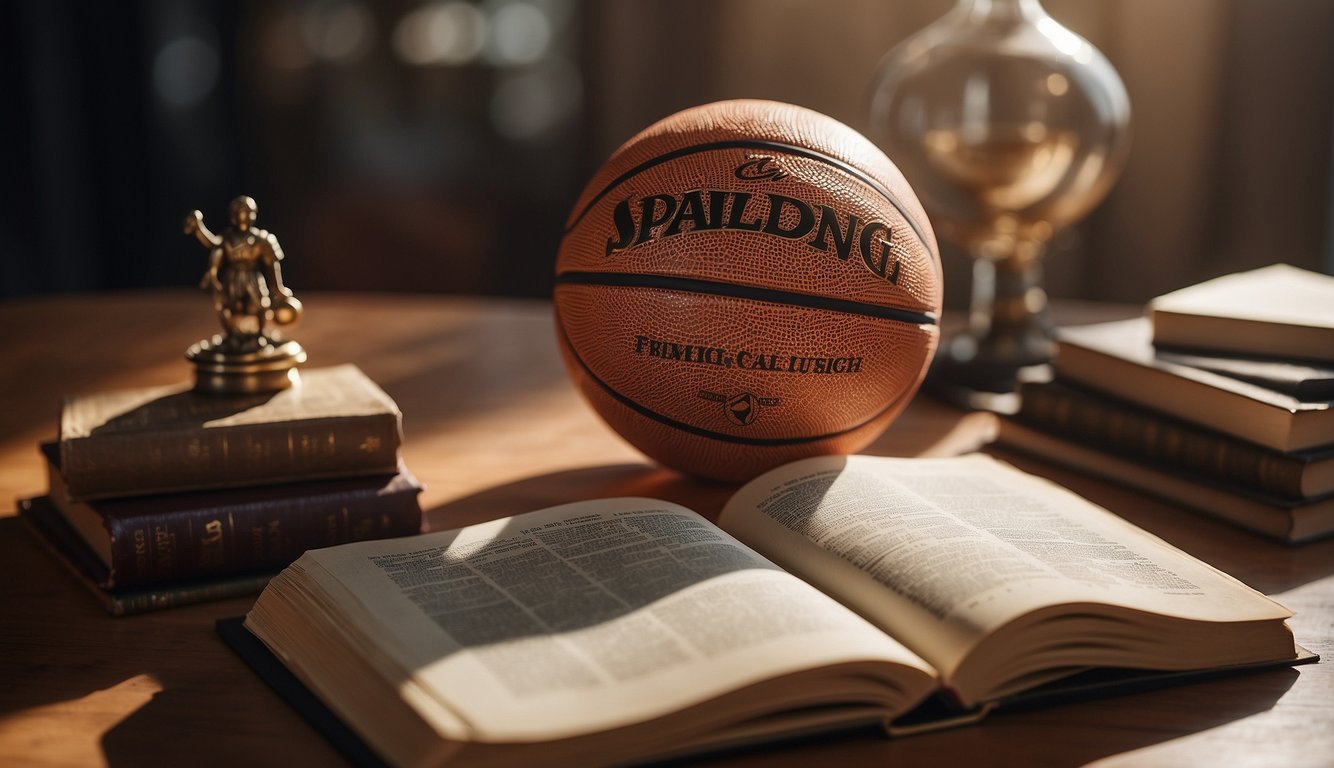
{"x":747,"y":283}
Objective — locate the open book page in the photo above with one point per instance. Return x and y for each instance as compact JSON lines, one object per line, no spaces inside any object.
{"x":942,"y":553}
{"x":589,"y":617}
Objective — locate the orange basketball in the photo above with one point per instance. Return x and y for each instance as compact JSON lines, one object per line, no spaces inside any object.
{"x":747,"y":283}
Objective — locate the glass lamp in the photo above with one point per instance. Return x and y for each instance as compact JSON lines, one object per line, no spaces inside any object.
{"x":1008,"y":126}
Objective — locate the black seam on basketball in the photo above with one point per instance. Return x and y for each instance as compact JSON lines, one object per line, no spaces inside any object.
{"x":642,"y":410}
{"x":812,"y":154}
{"x":732,"y":290}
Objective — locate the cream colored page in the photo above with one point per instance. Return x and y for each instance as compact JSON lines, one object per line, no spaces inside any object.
{"x":590,"y":616}
{"x":941,"y":552}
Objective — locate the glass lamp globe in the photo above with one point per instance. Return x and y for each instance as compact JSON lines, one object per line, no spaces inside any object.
{"x":1008,"y":126}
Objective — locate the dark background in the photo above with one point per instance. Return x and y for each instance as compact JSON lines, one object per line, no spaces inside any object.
{"x":436,"y":147}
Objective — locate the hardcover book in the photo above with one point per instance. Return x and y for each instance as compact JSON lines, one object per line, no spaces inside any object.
{"x":205,"y":534}
{"x":833,"y":593}
{"x":1118,"y":359}
{"x":337,"y":422}
{"x":1103,"y":422}
{"x":1292,"y":521}
{"x":1302,"y":380}
{"x":1275,"y":311}
{"x":72,"y":553}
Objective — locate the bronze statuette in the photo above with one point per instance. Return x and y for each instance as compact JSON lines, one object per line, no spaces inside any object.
{"x":251,"y":301}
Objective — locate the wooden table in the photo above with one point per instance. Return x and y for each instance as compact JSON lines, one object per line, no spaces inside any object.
{"x":493,"y":428}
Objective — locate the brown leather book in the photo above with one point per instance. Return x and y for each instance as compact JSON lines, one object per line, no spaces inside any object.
{"x":169,"y":537}
{"x":1119,"y":359}
{"x":337,"y":422}
{"x":1109,"y":424}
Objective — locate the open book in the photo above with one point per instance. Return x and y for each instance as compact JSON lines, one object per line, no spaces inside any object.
{"x":620,"y":630}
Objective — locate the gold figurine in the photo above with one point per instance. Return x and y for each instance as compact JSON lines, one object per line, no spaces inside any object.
{"x":250,"y":299}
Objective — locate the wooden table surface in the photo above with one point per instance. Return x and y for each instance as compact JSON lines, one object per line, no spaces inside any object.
{"x":493,"y":428}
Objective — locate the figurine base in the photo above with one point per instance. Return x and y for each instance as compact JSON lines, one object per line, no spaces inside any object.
{"x":980,"y":384}
{"x":221,"y":371}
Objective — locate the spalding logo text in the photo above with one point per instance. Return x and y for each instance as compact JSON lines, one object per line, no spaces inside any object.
{"x":660,"y":216}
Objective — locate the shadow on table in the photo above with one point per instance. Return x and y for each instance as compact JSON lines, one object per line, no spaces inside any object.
{"x":59,"y":647}
{"x":1073,"y":734}
{"x":706,"y":498}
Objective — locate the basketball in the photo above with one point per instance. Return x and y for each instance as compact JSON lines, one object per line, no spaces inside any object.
{"x":746,"y":283}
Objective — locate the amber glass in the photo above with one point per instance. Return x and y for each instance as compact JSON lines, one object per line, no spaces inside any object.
{"x":1008,"y":126}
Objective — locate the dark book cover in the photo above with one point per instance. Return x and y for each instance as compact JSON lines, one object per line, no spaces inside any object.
{"x":166,"y":538}
{"x":291,"y":690}
{"x":1309,"y":381}
{"x":68,"y":549}
{"x":1082,"y":414}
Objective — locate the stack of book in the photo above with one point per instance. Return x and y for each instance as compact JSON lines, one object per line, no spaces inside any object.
{"x":162,"y":497}
{"x":1220,"y":399}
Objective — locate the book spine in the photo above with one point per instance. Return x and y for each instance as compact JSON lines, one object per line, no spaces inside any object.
{"x":257,"y":536}
{"x":72,"y":555}
{"x":218,"y":457}
{"x":1132,"y":432}
{"x":132,"y":601}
